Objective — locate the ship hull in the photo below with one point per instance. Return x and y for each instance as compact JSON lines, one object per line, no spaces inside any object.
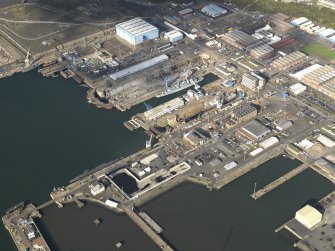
{"x":178,"y":89}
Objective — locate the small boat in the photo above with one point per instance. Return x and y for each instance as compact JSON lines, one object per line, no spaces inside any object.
{"x":97,"y":221}
{"x":119,"y":244}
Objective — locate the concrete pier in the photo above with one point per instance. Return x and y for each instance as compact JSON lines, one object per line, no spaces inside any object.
{"x":324,"y":171}
{"x":158,"y":229}
{"x":281,"y":180}
{"x":248,"y":167}
{"x":147,"y":229}
{"x":78,"y":202}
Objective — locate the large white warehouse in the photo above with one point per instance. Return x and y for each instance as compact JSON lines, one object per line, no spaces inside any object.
{"x":136,"y":31}
{"x":308,"y":216}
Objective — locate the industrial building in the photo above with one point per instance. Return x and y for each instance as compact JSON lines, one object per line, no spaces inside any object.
{"x":164,"y":109}
{"x":269,"y":142}
{"x":213,"y":10}
{"x":282,"y":126}
{"x":185,"y":11}
{"x":195,"y":137}
{"x":298,"y":75}
{"x":262,"y":51}
{"x":173,"y":36}
{"x":244,"y":113}
{"x":324,"y":140}
{"x":297,"y":88}
{"x":308,"y":216}
{"x":291,"y":60}
{"x":266,"y":35}
{"x":299,"y":21}
{"x":328,"y":88}
{"x":293,"y":150}
{"x":329,"y":130}
{"x":111,"y":203}
{"x":327,"y":33}
{"x":279,"y":20}
{"x":253,"y":81}
{"x":321,"y":78}
{"x":225,"y":68}
{"x":97,"y":188}
{"x":256,"y":152}
{"x":230,"y":165}
{"x":327,"y":3}
{"x":240,"y":39}
{"x":254,"y":130}
{"x":139,"y":67}
{"x":136,"y":31}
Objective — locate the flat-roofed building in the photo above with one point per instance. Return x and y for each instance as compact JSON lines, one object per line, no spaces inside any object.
{"x":174,"y":36}
{"x":253,"y":81}
{"x":262,"y":51}
{"x":195,"y":137}
{"x":136,"y":31}
{"x":254,"y":130}
{"x":328,"y":142}
{"x":279,"y":20}
{"x":308,"y":216}
{"x":297,"y":88}
{"x":244,"y":113}
{"x":327,"y":3}
{"x":240,"y":39}
{"x":213,"y":10}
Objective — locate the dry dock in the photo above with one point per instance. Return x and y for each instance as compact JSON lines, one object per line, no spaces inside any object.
{"x":281,"y":180}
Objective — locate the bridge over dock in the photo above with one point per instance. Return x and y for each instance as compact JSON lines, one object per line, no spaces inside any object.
{"x":50,"y":70}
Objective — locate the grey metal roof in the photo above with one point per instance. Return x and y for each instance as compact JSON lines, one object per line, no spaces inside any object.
{"x":136,"y":26}
{"x":138,"y":67}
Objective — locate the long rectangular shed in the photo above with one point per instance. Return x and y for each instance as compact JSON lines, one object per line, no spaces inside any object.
{"x":139,"y":67}
{"x":299,"y":21}
{"x":327,"y":33}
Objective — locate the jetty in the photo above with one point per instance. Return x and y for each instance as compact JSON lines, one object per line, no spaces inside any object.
{"x":281,"y":180}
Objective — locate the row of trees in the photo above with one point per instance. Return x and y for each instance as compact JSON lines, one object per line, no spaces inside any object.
{"x":320,"y":15}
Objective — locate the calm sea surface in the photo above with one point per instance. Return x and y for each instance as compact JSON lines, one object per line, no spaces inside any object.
{"x":50,"y":134}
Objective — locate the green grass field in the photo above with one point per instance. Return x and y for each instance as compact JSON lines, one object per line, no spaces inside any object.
{"x":319,"y":50}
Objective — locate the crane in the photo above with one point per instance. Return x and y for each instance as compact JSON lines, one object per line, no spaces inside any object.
{"x":147,"y":106}
{"x":27,"y":58}
{"x":148,"y":143}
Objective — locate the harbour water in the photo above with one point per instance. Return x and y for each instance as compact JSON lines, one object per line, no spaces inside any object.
{"x":49,"y":134}
{"x":229,"y":219}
